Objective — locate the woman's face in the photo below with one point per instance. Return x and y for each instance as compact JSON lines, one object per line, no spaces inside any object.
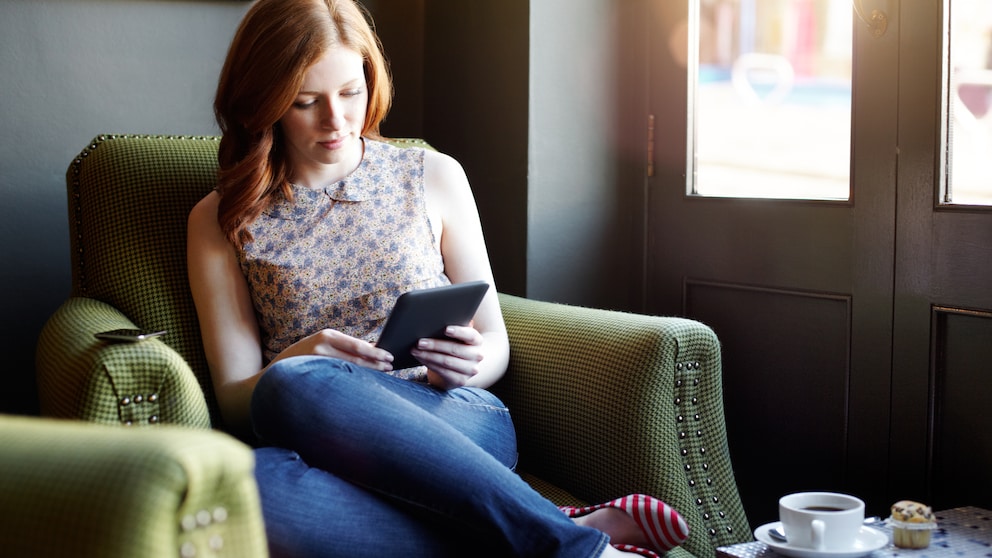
{"x":323,"y":128}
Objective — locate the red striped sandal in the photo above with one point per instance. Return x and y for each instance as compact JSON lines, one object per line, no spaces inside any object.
{"x":662,"y":525}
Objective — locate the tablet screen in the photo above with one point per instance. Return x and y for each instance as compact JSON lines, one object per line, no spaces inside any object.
{"x":426,"y":313}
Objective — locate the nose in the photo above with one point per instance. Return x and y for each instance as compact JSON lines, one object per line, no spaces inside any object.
{"x":332,"y":116}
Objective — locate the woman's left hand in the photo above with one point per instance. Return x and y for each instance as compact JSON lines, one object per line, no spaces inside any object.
{"x":451,"y":362}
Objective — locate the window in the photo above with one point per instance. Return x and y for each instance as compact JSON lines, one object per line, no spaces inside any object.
{"x":968,"y":103}
{"x":770,"y":96}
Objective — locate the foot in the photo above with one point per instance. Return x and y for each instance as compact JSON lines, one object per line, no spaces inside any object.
{"x":619,"y":525}
{"x":656,"y":523}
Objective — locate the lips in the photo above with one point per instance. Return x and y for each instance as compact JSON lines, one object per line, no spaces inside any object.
{"x":331,"y":144}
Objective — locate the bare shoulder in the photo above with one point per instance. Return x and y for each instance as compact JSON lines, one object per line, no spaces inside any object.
{"x":444,"y":178}
{"x":438,"y":159}
{"x":205,"y":209}
{"x":203,"y":217}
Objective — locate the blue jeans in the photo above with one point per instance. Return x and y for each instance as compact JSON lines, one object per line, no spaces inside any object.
{"x":359,"y":463}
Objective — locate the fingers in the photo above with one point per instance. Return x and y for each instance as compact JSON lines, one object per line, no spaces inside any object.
{"x":335,"y":344}
{"x":451,"y":363}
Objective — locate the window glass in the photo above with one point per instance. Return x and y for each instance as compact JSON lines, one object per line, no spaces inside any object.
{"x":771,"y":98}
{"x":968,"y":98}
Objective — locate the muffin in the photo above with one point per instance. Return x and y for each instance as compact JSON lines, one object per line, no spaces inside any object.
{"x":911,"y":524}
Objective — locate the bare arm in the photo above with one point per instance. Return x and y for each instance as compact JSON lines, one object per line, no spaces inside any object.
{"x":478,"y":355}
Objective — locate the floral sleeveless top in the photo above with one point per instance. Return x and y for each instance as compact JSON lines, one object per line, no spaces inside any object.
{"x":340,"y":257}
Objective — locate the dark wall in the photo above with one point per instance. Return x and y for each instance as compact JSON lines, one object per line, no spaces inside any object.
{"x":400,"y":25}
{"x":476,"y":109}
{"x":536,"y":101}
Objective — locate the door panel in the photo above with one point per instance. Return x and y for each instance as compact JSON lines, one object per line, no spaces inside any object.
{"x":961,"y":448}
{"x":795,"y":346}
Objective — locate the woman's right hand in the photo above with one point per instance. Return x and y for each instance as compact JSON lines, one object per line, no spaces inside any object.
{"x":333,"y":343}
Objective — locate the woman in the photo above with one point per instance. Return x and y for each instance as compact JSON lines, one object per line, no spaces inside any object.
{"x":316,"y":227}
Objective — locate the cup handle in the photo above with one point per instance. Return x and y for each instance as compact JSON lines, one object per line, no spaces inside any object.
{"x":819,"y":527}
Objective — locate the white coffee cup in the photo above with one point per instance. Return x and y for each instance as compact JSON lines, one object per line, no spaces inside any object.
{"x":824,"y":521}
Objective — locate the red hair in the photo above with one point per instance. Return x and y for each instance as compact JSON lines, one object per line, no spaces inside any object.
{"x":274,"y":47}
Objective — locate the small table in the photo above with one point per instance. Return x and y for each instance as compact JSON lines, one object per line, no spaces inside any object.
{"x":960,"y":532}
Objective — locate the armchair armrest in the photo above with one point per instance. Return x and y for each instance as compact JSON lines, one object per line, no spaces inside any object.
{"x":82,"y":377}
{"x":608,"y":403}
{"x":79,"y":489}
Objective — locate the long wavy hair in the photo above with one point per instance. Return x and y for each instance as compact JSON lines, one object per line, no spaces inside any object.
{"x":274,"y":47}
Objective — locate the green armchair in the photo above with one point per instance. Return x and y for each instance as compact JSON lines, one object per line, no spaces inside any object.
{"x":605,"y":403}
{"x":91,"y":491}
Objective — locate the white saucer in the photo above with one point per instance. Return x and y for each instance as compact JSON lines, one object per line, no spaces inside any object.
{"x":869,"y":540}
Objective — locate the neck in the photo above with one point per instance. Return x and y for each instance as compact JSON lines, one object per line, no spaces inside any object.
{"x":321,"y":176}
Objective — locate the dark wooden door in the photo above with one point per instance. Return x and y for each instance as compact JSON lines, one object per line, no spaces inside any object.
{"x":855,"y":334}
{"x":941,"y":450}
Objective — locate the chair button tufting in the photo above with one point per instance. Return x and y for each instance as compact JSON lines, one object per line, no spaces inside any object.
{"x":220,"y":515}
{"x":125,"y":401}
{"x":138,"y":398}
{"x":188,"y":523}
{"x":153,"y":398}
{"x":153,"y":419}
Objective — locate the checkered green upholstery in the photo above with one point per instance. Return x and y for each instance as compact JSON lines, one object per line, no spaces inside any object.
{"x":128,"y":200}
{"x":608,"y":403}
{"x":605,"y":403}
{"x":75,"y":489}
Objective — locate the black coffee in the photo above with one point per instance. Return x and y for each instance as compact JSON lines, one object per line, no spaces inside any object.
{"x":823,"y":509}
